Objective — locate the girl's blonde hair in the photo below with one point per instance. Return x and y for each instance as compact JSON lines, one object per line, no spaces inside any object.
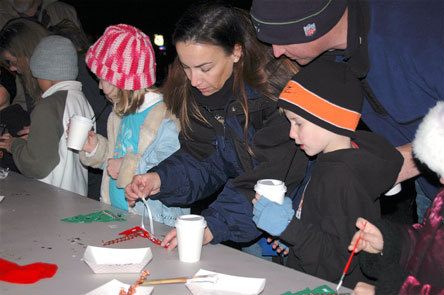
{"x":128,"y":101}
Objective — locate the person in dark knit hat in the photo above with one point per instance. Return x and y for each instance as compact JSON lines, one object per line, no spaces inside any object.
{"x":390,"y":45}
{"x":412,"y":260}
{"x":44,"y":155}
{"x":347,"y":172}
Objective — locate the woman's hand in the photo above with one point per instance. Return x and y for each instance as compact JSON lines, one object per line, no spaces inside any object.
{"x":171,"y":238}
{"x":364,"y":289}
{"x":143,"y":185}
{"x":371,"y":241}
{"x":113,"y":167}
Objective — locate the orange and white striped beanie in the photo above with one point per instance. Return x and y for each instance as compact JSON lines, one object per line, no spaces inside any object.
{"x":327,"y":94}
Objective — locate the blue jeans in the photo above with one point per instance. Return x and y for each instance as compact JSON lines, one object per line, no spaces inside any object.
{"x":422,"y":202}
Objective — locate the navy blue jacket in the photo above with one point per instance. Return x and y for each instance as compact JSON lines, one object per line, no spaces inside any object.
{"x":397,"y":48}
{"x":215,"y":156}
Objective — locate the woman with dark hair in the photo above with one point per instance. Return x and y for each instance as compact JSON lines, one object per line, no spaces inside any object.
{"x":223,"y":87}
{"x":18,"y":39}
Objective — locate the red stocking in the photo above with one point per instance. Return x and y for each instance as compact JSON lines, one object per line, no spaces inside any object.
{"x":26,"y":274}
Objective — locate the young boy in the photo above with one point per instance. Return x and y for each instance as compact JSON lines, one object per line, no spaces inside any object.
{"x":44,"y":154}
{"x":347,"y":173}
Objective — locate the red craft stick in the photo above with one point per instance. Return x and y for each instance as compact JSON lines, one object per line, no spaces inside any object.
{"x":133,"y":232}
{"x":344,"y":272}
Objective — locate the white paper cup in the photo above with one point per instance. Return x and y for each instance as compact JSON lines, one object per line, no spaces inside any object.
{"x":272,"y":189}
{"x":190,"y":232}
{"x":394,"y":190}
{"x":78,"y":132}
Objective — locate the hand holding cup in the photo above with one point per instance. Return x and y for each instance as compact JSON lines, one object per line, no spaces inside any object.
{"x":79,"y":129}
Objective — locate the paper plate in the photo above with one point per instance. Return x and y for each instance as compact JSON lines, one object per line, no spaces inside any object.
{"x":113,"y":287}
{"x":110,"y":260}
{"x":227,"y":285}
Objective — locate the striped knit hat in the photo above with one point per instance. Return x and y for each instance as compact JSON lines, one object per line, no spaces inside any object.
{"x":327,"y":94}
{"x":124,"y":57}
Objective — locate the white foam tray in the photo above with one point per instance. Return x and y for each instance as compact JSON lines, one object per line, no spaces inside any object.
{"x":227,"y":285}
{"x":112,"y":260}
{"x":113,"y":287}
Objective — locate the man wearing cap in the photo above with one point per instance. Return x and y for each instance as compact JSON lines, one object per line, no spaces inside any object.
{"x":394,"y":47}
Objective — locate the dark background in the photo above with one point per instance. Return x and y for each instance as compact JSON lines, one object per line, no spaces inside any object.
{"x":152,"y":17}
{"x":148,"y":15}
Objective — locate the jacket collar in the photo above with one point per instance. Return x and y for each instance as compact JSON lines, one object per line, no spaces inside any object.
{"x":64,"y":85}
{"x":356,"y":53}
{"x":151,"y":98}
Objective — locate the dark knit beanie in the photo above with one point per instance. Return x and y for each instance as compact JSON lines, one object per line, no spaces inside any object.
{"x":327,"y":94}
{"x":283,"y":22}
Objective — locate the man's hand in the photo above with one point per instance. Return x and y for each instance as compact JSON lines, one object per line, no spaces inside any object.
{"x":408,"y":169}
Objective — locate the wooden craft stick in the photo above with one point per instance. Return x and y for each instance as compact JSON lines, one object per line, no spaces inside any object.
{"x":166,"y":281}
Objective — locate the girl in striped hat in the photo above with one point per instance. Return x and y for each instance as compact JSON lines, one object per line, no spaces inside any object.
{"x":141,"y":131}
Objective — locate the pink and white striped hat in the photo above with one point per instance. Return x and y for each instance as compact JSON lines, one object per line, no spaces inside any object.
{"x":124,"y":57}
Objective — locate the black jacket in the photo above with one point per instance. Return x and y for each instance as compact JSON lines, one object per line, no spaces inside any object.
{"x":344,"y":185}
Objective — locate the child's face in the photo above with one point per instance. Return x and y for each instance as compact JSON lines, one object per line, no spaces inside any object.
{"x":109,"y":90}
{"x":311,"y":138}
{"x":44,"y":84}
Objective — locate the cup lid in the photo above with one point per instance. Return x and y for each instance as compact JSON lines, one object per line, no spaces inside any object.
{"x":270,"y":184}
{"x":191,"y":219}
{"x":81,"y":119}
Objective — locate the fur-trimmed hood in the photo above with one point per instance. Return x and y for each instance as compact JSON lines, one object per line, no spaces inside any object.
{"x":428,"y":145}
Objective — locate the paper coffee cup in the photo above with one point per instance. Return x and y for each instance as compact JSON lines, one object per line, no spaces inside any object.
{"x":190,"y":232}
{"x":272,"y":189}
{"x":78,"y":132}
{"x":394,"y":190}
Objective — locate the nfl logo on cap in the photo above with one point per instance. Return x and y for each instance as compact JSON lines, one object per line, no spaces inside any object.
{"x":310,"y":29}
